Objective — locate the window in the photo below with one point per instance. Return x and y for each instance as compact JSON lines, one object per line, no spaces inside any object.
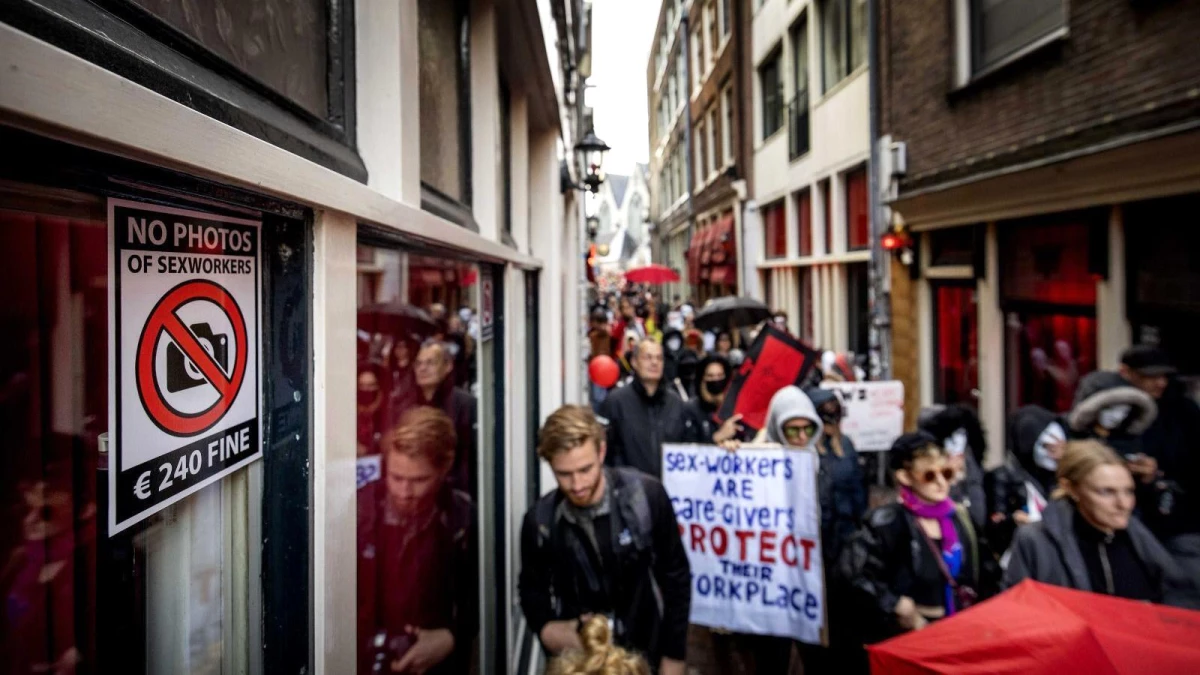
{"x":714,"y":36}
{"x":697,"y":59}
{"x":827,"y":209}
{"x":858,"y":221}
{"x":1002,"y":28}
{"x":798,"y":116}
{"x":701,"y":154}
{"x":506,"y":216}
{"x":804,"y":221}
{"x":771,"y":85}
{"x":418,"y":454}
{"x":804,"y":293}
{"x":858,"y":291}
{"x":954,"y":246}
{"x":726,"y":17}
{"x":444,"y":99}
{"x":843,"y":39}
{"x":775,"y":230}
{"x":727,"y":128}
{"x":1049,"y":297}
{"x":714,"y":135}
{"x":956,"y":342}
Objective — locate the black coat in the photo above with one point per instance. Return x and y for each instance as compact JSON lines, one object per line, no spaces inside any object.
{"x":638,"y":424}
{"x":1048,"y":551}
{"x":1173,"y":440}
{"x":700,"y":423}
{"x":553,"y":586}
{"x":842,"y":495}
{"x":888,"y":558}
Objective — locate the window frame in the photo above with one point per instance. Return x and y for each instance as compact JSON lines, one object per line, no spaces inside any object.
{"x":968,"y":66}
{"x":774,"y":60}
{"x":727,"y":113}
{"x":128,"y":40}
{"x":845,"y":64}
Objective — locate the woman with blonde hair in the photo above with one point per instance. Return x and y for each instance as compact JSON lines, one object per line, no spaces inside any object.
{"x":1089,"y":539}
{"x":599,"y":656}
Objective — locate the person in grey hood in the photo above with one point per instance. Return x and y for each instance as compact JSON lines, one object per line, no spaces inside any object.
{"x":1108,"y":408}
{"x":1089,"y":539}
{"x":792,"y":420}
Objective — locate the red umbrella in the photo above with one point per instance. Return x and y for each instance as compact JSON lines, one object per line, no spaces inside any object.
{"x":652,"y":274}
{"x":1036,"y":629}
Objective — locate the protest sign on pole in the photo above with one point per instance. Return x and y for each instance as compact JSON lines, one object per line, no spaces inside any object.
{"x":751,"y":526}
{"x":774,"y":361}
{"x":873,"y":412}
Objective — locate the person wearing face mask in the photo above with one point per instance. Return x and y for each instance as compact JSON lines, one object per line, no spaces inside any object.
{"x":1089,"y":539}
{"x":371,"y":408}
{"x":840,"y":479}
{"x":700,"y":414}
{"x":957,"y":429}
{"x":843,"y":501}
{"x":916,"y":560}
{"x":672,"y":344}
{"x":1110,"y":409}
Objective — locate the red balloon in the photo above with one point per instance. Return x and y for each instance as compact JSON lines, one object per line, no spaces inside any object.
{"x":604,"y":371}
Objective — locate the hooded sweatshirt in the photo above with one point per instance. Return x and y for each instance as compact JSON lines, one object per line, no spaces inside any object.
{"x":788,"y":404}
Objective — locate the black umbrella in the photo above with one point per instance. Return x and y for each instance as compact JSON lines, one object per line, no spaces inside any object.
{"x":731,"y":312}
{"x":397,"y":318}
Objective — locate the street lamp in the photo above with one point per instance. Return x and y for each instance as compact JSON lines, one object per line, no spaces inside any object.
{"x":593,"y":225}
{"x":591,"y":152}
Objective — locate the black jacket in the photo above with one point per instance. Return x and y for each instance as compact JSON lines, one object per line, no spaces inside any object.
{"x":1025,"y":426}
{"x":1048,"y":551}
{"x":561,"y":579}
{"x":638,"y":425}
{"x":1174,"y":441}
{"x":888,"y":558}
{"x":943,"y":423}
{"x":700,"y":423}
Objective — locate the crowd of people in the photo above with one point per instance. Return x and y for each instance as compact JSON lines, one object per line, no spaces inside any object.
{"x":1102,"y":498}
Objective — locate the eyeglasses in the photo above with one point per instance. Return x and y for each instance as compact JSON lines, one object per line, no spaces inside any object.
{"x":793,"y":433}
{"x":930,"y":476}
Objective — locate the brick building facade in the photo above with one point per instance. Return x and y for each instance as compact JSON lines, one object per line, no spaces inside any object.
{"x":1048,"y":158}
{"x":699,"y":166}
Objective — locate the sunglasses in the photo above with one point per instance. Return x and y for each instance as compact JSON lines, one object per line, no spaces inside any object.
{"x":930,"y":476}
{"x":792,"y":433}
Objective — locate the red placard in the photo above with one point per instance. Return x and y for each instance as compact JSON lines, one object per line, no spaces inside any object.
{"x":774,"y":361}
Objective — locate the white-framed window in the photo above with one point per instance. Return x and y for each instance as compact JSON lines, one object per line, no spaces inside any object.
{"x":725,"y":15}
{"x":993,"y":32}
{"x":714,"y":134}
{"x":727,"y":127}
{"x":699,"y":149}
{"x":843,"y":39}
{"x":710,"y":31}
{"x":697,"y":59}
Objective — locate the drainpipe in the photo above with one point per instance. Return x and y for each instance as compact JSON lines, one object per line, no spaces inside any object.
{"x":880,"y":298}
{"x":687,"y":139}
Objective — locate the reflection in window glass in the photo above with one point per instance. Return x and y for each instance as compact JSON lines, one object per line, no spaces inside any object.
{"x":1051,"y":350}
{"x":169,"y":595}
{"x":418,"y":332}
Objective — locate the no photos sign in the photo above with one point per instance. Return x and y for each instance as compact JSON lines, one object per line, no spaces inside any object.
{"x":185,"y":363}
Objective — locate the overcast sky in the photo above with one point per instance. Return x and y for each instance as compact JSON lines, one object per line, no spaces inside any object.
{"x":621,"y":35}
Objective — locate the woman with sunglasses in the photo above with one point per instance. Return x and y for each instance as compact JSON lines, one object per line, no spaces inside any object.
{"x":1089,"y":539}
{"x":914,"y":561}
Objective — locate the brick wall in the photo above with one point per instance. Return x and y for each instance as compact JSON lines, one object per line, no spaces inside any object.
{"x":906,"y":353}
{"x":1125,"y":67}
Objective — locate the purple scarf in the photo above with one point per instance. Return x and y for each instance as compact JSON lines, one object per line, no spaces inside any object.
{"x":943,"y":512}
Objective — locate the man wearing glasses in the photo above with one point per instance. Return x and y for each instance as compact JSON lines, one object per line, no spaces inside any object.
{"x":644,"y":415}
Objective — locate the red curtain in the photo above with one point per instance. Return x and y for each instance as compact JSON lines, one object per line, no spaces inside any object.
{"x":857,"y":220}
{"x":804,"y":211}
{"x":776,"y":231}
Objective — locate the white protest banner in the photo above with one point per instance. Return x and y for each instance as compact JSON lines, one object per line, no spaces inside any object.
{"x":873,"y":412}
{"x":751,"y":525}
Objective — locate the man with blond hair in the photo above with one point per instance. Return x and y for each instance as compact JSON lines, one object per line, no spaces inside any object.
{"x":604,"y":543}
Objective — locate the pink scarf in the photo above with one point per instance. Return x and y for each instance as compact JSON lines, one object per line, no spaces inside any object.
{"x":943,"y":512}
